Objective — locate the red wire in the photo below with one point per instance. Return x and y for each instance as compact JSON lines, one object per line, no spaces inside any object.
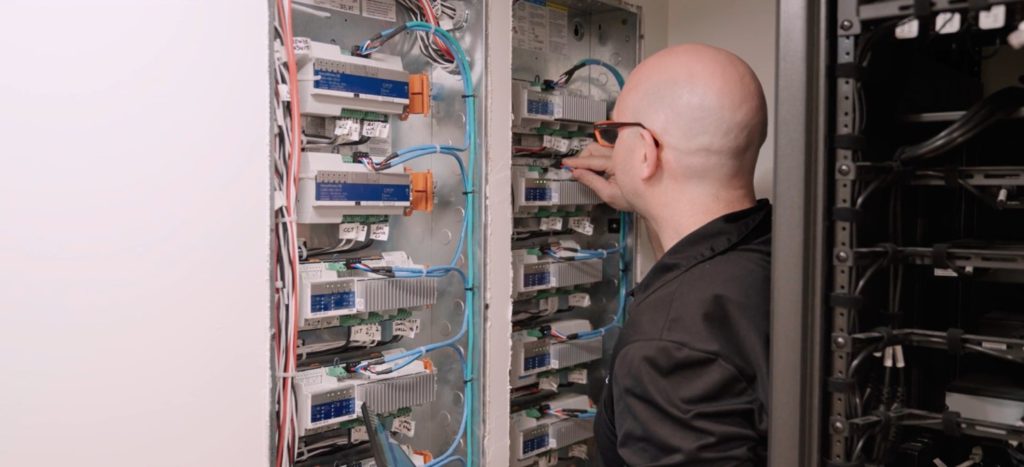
{"x":432,"y":19}
{"x":284,"y":6}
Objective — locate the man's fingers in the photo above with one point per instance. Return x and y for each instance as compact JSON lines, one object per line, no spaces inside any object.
{"x":596,"y":164}
{"x":595,"y":150}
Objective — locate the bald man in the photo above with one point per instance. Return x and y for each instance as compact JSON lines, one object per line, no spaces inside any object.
{"x":688,"y":383}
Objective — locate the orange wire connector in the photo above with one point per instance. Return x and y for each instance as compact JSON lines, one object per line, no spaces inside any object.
{"x":419,"y":94}
{"x":422,"y":191}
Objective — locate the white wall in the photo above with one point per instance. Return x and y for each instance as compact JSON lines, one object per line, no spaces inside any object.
{"x":134,"y":292}
{"x":745,"y":27}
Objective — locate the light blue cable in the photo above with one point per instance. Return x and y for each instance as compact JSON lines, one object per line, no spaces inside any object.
{"x":468,"y":230}
{"x":608,"y":66}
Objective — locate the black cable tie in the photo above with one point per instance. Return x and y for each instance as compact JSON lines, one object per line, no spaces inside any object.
{"x":845,"y":300}
{"x":922,"y":9}
{"x":891,"y":252}
{"x":469,"y":96}
{"x":940,"y":257}
{"x":887,"y":335}
{"x":955,"y":341}
{"x":850,"y":141}
{"x":884,"y":417}
{"x":468,"y":289}
{"x":951,"y":177}
{"x":849,"y":70}
{"x":838,"y":384}
{"x":468,"y":192}
{"x":951,"y":423}
{"x":847,"y":214}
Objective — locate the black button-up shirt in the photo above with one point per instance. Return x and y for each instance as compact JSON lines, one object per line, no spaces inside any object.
{"x":688,"y":383}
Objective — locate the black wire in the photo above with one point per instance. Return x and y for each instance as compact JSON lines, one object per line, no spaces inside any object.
{"x":989,"y":110}
{"x":330,"y":252}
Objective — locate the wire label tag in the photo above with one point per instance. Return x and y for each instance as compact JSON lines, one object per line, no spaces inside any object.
{"x":581,"y":225}
{"x":365,"y":334}
{"x":578,"y":376}
{"x":404,"y":425}
{"x":358,"y":434}
{"x":548,"y":383}
{"x":406,"y":327}
{"x":581,"y":300}
{"x":379,"y":231}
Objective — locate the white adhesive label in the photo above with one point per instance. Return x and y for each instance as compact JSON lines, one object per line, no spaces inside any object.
{"x":992,"y":18}
{"x":406,"y":327}
{"x":558,"y":29}
{"x":301,"y":45}
{"x":348,"y":231}
{"x":380,"y":231}
{"x":907,"y":29}
{"x":530,"y":26}
{"x":282,"y":91}
{"x":380,"y":9}
{"x":556,"y":223}
{"x":358,"y":434}
{"x":581,"y":225}
{"x":578,"y":376}
{"x":347,"y":129}
{"x":348,"y":6}
{"x":556,"y":143}
{"x":578,"y":451}
{"x":365,"y":334}
{"x":947,"y":22}
{"x":581,"y":300}
{"x":372,"y":129}
{"x":548,"y":383}
{"x":552,"y":306}
{"x":361,"y":233}
{"x":404,"y":425}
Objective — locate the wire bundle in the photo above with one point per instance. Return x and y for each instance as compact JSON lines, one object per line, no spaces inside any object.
{"x":287,"y":152}
{"x":991,"y":109}
{"x":567,"y":76}
{"x":432,"y":47}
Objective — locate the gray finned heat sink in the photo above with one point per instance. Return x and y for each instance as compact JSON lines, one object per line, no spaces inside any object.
{"x":571,"y":192}
{"x":406,"y":391}
{"x":575,"y":352}
{"x":392,"y":294}
{"x":572,"y":273}
{"x":583,"y":109}
{"x":571,"y":431}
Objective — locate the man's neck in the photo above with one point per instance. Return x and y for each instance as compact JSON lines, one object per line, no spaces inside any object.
{"x":673,"y":224}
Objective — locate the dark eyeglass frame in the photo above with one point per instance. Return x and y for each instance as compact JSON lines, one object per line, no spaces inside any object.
{"x":606,"y":133}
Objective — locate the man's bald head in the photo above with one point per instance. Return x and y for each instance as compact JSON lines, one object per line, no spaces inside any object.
{"x":704,"y":105}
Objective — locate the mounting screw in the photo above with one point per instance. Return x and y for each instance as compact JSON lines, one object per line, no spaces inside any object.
{"x":839,"y":342}
{"x":837,"y":426}
{"x":844,"y":169}
{"x":842,"y":256}
{"x":846,"y":25}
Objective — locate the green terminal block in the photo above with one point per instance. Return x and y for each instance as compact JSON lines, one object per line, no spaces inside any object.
{"x":363,"y":219}
{"x":350,"y":320}
{"x":402,"y":314}
{"x":336,"y":267}
{"x":534,"y":333}
{"x":337,"y":372}
{"x":533,"y":251}
{"x":543,"y":130}
{"x":373,"y":318}
{"x":533,"y":413}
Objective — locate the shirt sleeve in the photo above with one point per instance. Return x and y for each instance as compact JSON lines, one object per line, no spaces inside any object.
{"x":677,"y":406}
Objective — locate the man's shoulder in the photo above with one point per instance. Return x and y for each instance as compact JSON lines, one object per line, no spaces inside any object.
{"x":719,"y":307}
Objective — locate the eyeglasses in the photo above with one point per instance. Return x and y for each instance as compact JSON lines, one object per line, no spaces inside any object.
{"x":607,"y":132}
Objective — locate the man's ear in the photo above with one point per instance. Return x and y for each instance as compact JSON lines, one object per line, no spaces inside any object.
{"x":651,"y":158}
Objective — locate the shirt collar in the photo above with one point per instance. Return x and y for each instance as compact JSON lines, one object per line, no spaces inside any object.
{"x":707,"y":241}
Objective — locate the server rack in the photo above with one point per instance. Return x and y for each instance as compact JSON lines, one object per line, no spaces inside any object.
{"x":902,"y":339}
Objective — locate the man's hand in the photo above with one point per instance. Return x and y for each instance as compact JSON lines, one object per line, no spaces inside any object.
{"x":585,"y":167}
